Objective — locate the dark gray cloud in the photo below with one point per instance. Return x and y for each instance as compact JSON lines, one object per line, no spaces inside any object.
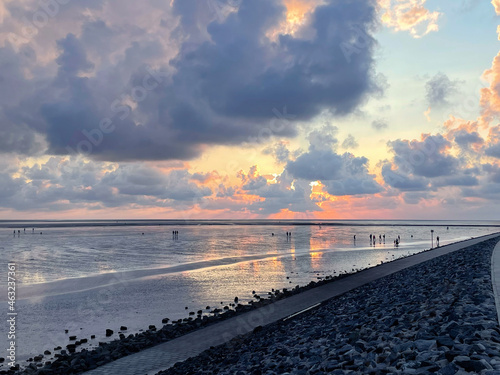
{"x":493,"y":172}
{"x":223,"y":84}
{"x":353,"y":186}
{"x":427,"y":166}
{"x":459,"y":180}
{"x":426,"y":158}
{"x":493,"y":150}
{"x":439,"y":89}
{"x":401,"y":181}
{"x":16,"y":134}
{"x":465,"y":138}
{"x":493,"y":145}
{"x":73,"y":57}
{"x":316,"y":165}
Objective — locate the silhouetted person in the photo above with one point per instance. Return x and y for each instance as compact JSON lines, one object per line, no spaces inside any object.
{"x":437,"y":240}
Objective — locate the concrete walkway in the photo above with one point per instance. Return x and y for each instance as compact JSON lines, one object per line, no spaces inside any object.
{"x":163,"y":356}
{"x":495,"y":277}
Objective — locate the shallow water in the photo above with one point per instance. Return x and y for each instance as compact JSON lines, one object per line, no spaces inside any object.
{"x":87,"y":279}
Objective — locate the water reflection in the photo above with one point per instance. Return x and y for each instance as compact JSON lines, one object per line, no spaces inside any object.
{"x":75,"y":252}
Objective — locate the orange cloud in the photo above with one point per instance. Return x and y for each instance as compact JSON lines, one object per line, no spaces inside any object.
{"x":490,"y":96}
{"x":496,"y":4}
{"x":297,"y":10}
{"x":409,"y":15}
{"x":297,"y":13}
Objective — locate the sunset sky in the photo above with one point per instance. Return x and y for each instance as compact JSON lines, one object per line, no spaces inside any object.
{"x":200,"y":109}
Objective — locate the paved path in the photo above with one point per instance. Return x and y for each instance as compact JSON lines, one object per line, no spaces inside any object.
{"x":163,"y":356}
{"x":495,"y":276}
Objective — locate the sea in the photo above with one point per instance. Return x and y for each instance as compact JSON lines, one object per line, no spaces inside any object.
{"x":87,"y":276}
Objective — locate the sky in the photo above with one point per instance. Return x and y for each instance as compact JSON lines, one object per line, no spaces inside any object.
{"x":249,"y":109}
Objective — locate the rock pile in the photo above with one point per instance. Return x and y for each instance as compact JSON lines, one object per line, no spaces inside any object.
{"x":436,"y":317}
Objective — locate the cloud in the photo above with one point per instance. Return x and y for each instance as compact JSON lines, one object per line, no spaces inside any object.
{"x":379,"y":124}
{"x":432,"y":166}
{"x":425,"y":158}
{"x":67,"y":184}
{"x":279,"y":151}
{"x":223,"y":84}
{"x":465,"y":134}
{"x":409,"y":15}
{"x":252,"y":180}
{"x":493,"y":145}
{"x":343,"y":174}
{"x":439,"y":89}
{"x":350,"y":142}
{"x":459,"y":180}
{"x":284,"y":193}
{"x":292,"y":189}
{"x":73,"y":57}
{"x":355,"y":179}
{"x":496,"y":4}
{"x":490,"y":96}
{"x":401,"y":181}
{"x":324,"y":138}
{"x":16,"y":132}
{"x":316,"y":165}
{"x":493,"y":172}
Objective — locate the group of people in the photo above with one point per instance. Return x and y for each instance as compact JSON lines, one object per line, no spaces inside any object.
{"x":381,"y":238}
{"x":24,"y":230}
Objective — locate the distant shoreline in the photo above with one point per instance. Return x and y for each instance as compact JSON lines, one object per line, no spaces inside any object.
{"x":172,"y":222}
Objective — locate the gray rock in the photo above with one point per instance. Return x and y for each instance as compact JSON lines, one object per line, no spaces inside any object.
{"x":424,"y":345}
{"x":470,"y":365}
{"x":449,"y":369}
